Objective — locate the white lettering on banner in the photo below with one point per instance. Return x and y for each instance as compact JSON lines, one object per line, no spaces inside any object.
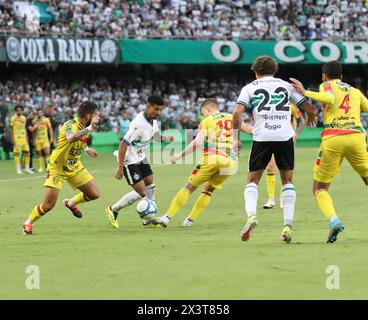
{"x":234,"y":51}
{"x":62,"y":50}
{"x":50,"y":53}
{"x":355,"y":51}
{"x":96,"y":52}
{"x":42,"y":50}
{"x":334,"y":51}
{"x":280,"y":51}
{"x":87,"y":50}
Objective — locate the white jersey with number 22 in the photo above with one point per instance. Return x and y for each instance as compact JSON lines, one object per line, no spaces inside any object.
{"x":269,"y":99}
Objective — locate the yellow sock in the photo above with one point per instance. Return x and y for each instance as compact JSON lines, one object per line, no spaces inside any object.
{"x":36,"y":213}
{"x":39,"y":163}
{"x":16,"y":159}
{"x":27,"y":160}
{"x":271,"y":182}
{"x":201,"y":204}
{"x":325,"y":203}
{"x":178,"y":202}
{"x":79,"y":198}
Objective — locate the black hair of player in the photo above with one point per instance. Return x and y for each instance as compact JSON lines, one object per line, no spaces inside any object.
{"x":18,"y":106}
{"x":87,"y":107}
{"x":332,"y":69}
{"x":155,"y":100}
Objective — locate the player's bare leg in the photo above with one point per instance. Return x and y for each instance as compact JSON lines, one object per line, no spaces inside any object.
{"x":50,"y":198}
{"x":89,"y":192}
{"x":288,"y":197}
{"x":271,"y":182}
{"x":250,"y":199}
{"x":323,"y":198}
{"x":46,"y":151}
{"x":128,"y":199}
{"x":177,"y":203}
{"x":200,"y":204}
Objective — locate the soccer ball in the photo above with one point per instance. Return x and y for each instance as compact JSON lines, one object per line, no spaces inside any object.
{"x":146,"y":209}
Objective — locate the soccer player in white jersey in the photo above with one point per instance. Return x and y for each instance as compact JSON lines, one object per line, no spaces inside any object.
{"x":132,"y":158}
{"x":268,"y":100}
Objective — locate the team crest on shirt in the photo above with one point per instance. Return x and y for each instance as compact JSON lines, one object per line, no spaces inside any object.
{"x":196,"y":169}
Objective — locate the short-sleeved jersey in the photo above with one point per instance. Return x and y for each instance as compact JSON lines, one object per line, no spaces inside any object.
{"x":43,"y":125}
{"x":269,"y":99}
{"x":18,"y":124}
{"x":295,"y":115}
{"x":342,"y":116}
{"x":66,"y":157}
{"x":141,"y":131}
{"x":219,"y":135}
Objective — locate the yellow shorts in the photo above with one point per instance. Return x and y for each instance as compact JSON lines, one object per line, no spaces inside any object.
{"x":41,"y":144}
{"x":333,"y":150}
{"x":213,"y":169}
{"x":20,"y":146}
{"x":55,"y":180}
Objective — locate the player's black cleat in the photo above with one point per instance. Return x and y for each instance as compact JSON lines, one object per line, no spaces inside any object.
{"x":75,"y":210}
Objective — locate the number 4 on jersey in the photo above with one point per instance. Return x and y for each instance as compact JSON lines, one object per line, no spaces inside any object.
{"x":345,"y":104}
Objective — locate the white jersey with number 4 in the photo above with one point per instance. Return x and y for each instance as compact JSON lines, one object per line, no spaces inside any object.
{"x":268,"y":99}
{"x":138,"y":138}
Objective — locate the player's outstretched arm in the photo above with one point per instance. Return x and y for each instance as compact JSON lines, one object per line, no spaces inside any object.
{"x":123,"y":147}
{"x":201,"y":136}
{"x":311,"y":113}
{"x":237,"y":124}
{"x":323,"y":97}
{"x":246,"y":127}
{"x":75,"y":136}
{"x":301,"y":124}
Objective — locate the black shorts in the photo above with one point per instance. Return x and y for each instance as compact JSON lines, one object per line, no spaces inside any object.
{"x":136,"y":172}
{"x":261,"y":153}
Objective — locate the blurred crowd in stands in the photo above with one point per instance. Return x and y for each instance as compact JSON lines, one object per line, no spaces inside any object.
{"x":197,"y":19}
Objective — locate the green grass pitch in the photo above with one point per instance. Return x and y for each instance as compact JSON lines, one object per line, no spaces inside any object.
{"x":87,"y":259}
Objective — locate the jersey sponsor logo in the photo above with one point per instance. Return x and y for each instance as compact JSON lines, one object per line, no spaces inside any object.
{"x":76,"y":151}
{"x":71,"y":161}
{"x":272,"y":126}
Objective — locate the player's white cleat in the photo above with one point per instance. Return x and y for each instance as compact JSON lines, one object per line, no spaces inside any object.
{"x":164,"y":220}
{"x":19,"y":171}
{"x":188,"y":222}
{"x":249,"y":226}
{"x":27,"y":170}
{"x":269,"y":204}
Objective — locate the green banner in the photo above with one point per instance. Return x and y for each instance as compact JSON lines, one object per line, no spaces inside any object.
{"x":61,"y":50}
{"x":241,"y":52}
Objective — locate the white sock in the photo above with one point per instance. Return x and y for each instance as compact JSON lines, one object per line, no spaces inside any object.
{"x":251,"y":198}
{"x":288,"y":200}
{"x":71,"y":202}
{"x":126,"y":200}
{"x":150,"y":191}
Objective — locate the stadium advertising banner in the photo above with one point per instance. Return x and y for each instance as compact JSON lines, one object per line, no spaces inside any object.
{"x":241,"y":52}
{"x":61,"y":50}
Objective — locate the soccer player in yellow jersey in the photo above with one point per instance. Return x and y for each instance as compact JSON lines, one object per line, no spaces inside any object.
{"x":342,"y":137}
{"x":216,"y":166}
{"x":19,"y":139}
{"x":42,"y":130}
{"x":296,"y":117}
{"x":65,"y":165}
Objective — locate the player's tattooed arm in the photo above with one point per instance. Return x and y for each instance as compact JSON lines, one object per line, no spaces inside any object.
{"x":123,"y":147}
{"x":75,"y":136}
